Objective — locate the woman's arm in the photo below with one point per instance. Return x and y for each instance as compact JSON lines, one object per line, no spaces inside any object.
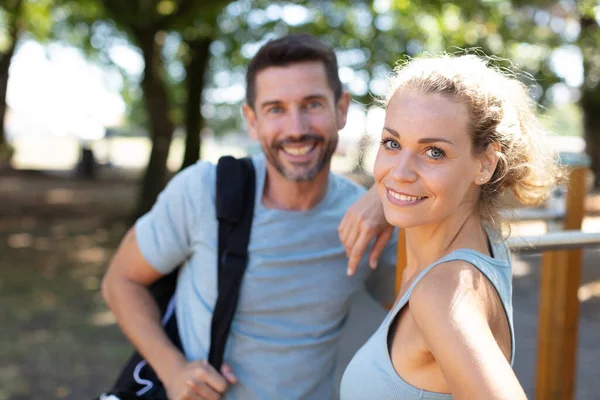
{"x":451,"y":307}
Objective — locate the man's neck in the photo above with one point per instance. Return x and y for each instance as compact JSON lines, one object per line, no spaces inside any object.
{"x":281,"y":193}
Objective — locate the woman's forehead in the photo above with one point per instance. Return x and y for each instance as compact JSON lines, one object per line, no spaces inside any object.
{"x":427,"y":113}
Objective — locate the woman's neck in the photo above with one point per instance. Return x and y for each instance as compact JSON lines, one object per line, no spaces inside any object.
{"x":428,"y":243}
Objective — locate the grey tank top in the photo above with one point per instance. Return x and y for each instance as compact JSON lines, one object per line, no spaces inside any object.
{"x":371,"y":375}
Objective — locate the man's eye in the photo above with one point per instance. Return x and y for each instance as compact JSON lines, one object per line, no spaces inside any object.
{"x":275,"y":110}
{"x":314,"y":104}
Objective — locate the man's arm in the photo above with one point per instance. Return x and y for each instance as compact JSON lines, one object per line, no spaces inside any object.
{"x":363,"y":222}
{"x":125,"y":290}
{"x":161,"y":240}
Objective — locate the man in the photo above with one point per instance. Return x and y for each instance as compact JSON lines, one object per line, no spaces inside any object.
{"x":295,"y":293}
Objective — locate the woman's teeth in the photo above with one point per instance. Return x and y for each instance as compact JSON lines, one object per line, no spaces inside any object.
{"x":402,"y":197}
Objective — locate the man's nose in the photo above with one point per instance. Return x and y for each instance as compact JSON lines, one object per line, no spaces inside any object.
{"x":297,"y":122}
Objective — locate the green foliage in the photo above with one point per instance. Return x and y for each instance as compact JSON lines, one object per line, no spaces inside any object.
{"x":370,"y":37}
{"x":24,"y":16}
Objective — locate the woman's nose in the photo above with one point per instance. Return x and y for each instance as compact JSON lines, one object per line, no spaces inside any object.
{"x":404,"y":169}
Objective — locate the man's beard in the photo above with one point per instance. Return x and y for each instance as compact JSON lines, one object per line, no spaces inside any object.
{"x":300,"y":173}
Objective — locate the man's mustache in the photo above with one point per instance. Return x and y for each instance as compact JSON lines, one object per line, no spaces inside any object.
{"x":306,"y":138}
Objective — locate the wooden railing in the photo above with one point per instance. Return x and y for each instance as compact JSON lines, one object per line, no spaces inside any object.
{"x":559,"y":308}
{"x":559,"y":284}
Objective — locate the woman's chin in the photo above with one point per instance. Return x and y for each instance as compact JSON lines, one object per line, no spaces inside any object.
{"x":405,"y":221}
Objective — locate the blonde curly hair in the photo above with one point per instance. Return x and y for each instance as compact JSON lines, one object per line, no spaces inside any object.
{"x":501,"y":115}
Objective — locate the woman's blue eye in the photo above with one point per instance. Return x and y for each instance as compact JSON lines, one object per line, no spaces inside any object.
{"x":390,"y":144}
{"x":435,"y":153}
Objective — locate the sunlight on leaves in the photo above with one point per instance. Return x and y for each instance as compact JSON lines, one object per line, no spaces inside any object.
{"x":528,"y":228}
{"x":165,"y":7}
{"x":62,"y":391}
{"x":103,"y":318}
{"x":59,"y":196}
{"x":519,"y":267}
{"x":588,"y":291}
{"x":20,"y":240}
{"x":95,"y":255}
{"x":591,"y":224}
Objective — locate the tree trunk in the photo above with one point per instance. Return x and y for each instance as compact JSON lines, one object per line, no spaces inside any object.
{"x":4,"y":66}
{"x":160,"y":124}
{"x":590,"y":103}
{"x":590,"y":95}
{"x":5,"y":59}
{"x":194,"y":81}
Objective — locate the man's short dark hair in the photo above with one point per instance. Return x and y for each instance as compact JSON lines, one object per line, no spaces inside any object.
{"x":293,"y":49}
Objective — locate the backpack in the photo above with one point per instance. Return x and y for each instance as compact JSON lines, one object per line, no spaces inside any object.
{"x":235,"y":193}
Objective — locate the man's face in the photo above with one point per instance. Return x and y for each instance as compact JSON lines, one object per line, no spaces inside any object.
{"x":296,"y":119}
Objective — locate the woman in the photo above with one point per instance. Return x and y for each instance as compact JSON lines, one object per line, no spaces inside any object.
{"x":457,"y":134}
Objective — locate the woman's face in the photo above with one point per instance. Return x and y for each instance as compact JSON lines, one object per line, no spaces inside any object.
{"x":425,"y":169}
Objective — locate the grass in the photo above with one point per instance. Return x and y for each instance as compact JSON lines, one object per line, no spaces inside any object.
{"x":57,"y":338}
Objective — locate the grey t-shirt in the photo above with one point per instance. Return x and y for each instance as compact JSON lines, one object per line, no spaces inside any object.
{"x":295,"y":293}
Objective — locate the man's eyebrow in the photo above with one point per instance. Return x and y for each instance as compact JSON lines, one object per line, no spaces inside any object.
{"x":315,"y":96}
{"x":422,"y":140}
{"x":269,"y":103}
{"x":312,"y":96}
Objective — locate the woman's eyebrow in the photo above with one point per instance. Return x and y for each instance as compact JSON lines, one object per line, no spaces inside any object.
{"x":422,"y":140}
{"x":433,"y":140}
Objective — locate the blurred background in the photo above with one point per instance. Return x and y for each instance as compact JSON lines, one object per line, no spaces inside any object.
{"x":101,"y":101}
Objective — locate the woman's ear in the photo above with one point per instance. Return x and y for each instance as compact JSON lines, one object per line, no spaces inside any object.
{"x":488,"y":162}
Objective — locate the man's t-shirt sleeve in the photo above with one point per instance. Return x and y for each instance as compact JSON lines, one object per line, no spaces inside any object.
{"x":164,"y":234}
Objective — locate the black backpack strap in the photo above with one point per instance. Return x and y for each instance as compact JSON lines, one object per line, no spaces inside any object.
{"x":235,"y":209}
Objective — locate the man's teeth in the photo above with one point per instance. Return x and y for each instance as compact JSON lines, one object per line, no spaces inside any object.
{"x":402,"y":197}
{"x":298,"y":151}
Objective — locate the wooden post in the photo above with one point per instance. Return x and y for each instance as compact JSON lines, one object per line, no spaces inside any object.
{"x":559,"y":305}
{"x":400,"y":259}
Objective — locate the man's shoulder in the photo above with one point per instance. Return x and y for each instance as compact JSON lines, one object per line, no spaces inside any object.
{"x":201,"y":173}
{"x":194,"y":183}
{"x":347,"y":188}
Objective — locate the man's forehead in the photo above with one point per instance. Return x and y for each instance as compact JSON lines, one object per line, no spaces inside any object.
{"x":300,"y":80}
{"x":303,"y":67}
